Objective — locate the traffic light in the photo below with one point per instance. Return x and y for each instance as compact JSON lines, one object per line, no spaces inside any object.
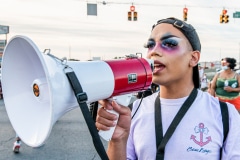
{"x":132,"y":8}
{"x":185,"y":10}
{"x":135,"y":16}
{"x":224,"y":11}
{"x":130,"y":16}
{"x":226,"y":18}
{"x":221,"y":18}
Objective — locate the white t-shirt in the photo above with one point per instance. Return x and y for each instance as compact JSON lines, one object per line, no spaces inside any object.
{"x":198,"y":136}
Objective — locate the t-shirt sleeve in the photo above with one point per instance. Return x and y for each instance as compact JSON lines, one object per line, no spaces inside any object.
{"x":231,"y":147}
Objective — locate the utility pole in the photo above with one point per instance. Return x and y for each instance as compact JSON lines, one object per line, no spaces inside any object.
{"x":69,"y":51}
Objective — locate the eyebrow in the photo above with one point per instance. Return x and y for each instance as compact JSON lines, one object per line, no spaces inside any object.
{"x":165,"y":36}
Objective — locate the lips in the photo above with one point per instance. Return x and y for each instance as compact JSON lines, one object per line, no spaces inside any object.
{"x":158,"y":66}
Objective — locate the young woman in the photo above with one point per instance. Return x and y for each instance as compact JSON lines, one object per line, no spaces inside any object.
{"x":197,"y":130}
{"x":225,"y":84}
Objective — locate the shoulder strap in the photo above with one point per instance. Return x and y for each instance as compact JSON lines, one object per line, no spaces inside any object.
{"x":225,"y":121}
{"x":162,"y":140}
{"x":81,"y":97}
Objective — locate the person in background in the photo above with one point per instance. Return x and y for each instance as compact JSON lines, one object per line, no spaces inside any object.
{"x":17,"y":144}
{"x":204,"y":82}
{"x":225,"y":84}
{"x":180,"y":121}
{"x":201,"y":73}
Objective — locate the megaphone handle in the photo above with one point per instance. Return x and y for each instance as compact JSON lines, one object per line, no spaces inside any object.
{"x":107,"y":135}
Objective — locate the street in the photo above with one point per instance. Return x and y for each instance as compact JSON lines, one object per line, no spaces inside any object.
{"x":69,"y":140}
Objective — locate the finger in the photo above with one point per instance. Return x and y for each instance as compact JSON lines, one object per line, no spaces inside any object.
{"x":102,"y":112}
{"x":105,"y":119}
{"x":122,"y":110}
{"x":104,"y":126}
{"x":105,"y":104}
{"x":101,"y":127}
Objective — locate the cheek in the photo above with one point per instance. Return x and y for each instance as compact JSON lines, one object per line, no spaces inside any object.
{"x":176,"y":51}
{"x":179,"y":61}
{"x":171,"y":51}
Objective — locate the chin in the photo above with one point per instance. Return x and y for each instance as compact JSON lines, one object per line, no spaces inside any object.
{"x":156,"y":80}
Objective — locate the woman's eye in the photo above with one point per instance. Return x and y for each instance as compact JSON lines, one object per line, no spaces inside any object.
{"x":150,"y":44}
{"x":169,"y":43}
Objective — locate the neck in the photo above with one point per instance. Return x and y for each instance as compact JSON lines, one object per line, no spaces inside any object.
{"x":228,"y":71}
{"x":175,"y":92}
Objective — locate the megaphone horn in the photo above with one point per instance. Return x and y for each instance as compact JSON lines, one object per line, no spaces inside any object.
{"x":37,"y":92}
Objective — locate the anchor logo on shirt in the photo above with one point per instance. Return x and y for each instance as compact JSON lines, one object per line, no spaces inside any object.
{"x":200,"y":129}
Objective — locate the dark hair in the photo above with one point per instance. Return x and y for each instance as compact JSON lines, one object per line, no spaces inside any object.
{"x":231,"y":61}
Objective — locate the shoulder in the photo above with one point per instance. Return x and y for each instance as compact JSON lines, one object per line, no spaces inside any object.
{"x":213,"y":102}
{"x":237,"y":75}
{"x":233,"y":113}
{"x":147,"y":99}
{"x":232,"y":142}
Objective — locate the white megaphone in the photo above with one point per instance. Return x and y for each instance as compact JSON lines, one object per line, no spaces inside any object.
{"x":37,"y":91}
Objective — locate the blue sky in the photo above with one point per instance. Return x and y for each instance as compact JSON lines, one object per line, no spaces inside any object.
{"x":64,"y":27}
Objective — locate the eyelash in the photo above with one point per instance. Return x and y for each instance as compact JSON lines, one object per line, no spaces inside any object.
{"x":167,"y":44}
{"x":150,"y":44}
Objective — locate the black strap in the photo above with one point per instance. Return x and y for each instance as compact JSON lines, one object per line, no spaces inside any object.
{"x":161,"y":140}
{"x":82,"y":98}
{"x":225,"y":121}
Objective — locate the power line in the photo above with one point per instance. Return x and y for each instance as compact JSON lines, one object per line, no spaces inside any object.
{"x":159,"y":5}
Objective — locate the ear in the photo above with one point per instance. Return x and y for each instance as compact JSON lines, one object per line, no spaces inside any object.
{"x":195,"y":57}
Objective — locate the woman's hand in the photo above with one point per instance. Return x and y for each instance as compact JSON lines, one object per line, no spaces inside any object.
{"x":228,"y":89}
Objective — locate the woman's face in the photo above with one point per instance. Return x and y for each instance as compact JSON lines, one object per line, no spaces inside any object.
{"x":171,"y":52}
{"x":224,"y":62}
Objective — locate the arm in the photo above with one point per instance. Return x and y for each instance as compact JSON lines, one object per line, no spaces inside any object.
{"x":230,"y":89}
{"x":105,"y":120}
{"x":213,"y":85}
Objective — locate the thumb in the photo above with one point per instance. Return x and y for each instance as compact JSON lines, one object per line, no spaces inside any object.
{"x":123,"y":110}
